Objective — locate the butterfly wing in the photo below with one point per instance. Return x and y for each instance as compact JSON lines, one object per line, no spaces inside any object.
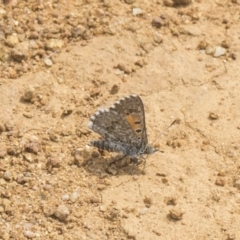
{"x":132,"y":109}
{"x":122,"y":126}
{"x":111,"y":146}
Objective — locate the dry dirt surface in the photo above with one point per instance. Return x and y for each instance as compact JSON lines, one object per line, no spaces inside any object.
{"x":61,"y":61}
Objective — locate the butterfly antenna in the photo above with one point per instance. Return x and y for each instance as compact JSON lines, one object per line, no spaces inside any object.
{"x":175,"y":120}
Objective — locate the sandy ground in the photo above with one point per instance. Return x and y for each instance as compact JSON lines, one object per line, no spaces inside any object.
{"x":63,"y":60}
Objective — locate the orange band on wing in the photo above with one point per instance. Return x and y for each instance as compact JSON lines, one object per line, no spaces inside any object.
{"x":135,"y":123}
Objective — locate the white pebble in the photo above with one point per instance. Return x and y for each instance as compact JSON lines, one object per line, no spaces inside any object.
{"x":29,"y":234}
{"x":48,"y":62}
{"x":74,"y":197}
{"x":137,"y":11}
{"x":219,"y":51}
{"x":65,"y":197}
{"x":143,"y":210}
{"x":2,"y":11}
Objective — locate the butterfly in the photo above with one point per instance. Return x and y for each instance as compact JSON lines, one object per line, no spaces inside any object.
{"x":123,"y":128}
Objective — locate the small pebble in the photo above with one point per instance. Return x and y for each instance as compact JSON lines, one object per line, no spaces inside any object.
{"x":95,"y":92}
{"x":202,"y":45}
{"x":158,"y":22}
{"x":209,"y":50}
{"x":74,"y":197}
{"x":95,"y":199}
{"x":225,"y":44}
{"x":54,"y":137}
{"x":78,"y":160}
{"x":18,"y":55}
{"x":33,"y":43}
{"x":28,"y":157}
{"x":147,"y":201}
{"x":29,"y":234}
{"x":118,"y":72}
{"x":48,"y":62}
{"x":29,"y":94}
{"x":12,"y":151}
{"x":62,"y":212}
{"x":87,"y":35}
{"x":213,"y":116}
{"x":143,"y":211}
{"x":96,"y":154}
{"x":219,"y":51}
{"x":54,"y":162}
{"x":114,"y":89}
{"x":54,"y":44}
{"x":65,"y":197}
{"x":139,"y":63}
{"x":233,"y":56}
{"x":67,"y":110}
{"x":7,"y":175}
{"x":32,"y":147}
{"x":220,"y":182}
{"x":34,"y":138}
{"x":158,"y":38}
{"x":102,"y":208}
{"x":161,"y":174}
{"x":2,"y":11}
{"x":78,"y":31}
{"x":176,"y":214}
{"x":21,"y":179}
{"x":222,"y":173}
{"x":125,"y":68}
{"x":170,"y":201}
{"x":130,"y":231}
{"x":27,"y":115}
{"x":12,"y":40}
{"x":165,"y":180}
{"x":137,"y":11}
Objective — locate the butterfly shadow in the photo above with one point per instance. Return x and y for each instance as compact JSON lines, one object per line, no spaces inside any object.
{"x":104,"y":166}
